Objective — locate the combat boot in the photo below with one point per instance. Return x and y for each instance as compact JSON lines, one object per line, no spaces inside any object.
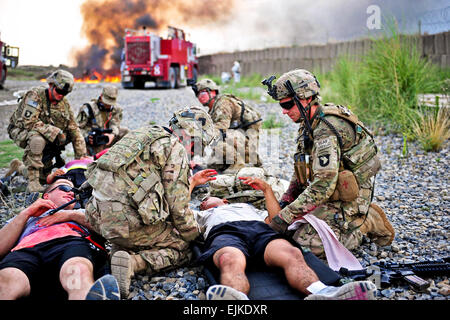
{"x":15,"y":166}
{"x":123,"y":268}
{"x":33,"y":181}
{"x":377,"y":226}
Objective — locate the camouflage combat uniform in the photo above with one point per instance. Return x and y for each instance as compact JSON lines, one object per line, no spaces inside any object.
{"x":140,"y":197}
{"x":335,"y":166}
{"x":316,"y":197}
{"x":226,"y":114}
{"x":36,"y":117}
{"x":91,"y":116}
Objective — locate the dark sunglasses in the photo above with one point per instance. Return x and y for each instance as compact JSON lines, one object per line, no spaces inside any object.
{"x":287,"y":104}
{"x":61,"y":91}
{"x":62,"y":187}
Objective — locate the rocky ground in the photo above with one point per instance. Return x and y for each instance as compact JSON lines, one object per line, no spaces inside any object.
{"x":412,"y":188}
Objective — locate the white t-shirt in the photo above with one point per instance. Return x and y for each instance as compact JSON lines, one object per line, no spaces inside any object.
{"x":210,"y":218}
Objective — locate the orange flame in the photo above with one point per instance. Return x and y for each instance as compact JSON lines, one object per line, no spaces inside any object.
{"x":95,"y":77}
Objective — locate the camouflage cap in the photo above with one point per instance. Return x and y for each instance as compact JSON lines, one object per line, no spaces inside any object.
{"x":197,"y":123}
{"x":305,"y":84}
{"x":109,"y":95}
{"x":62,"y":79}
{"x":207,"y":84}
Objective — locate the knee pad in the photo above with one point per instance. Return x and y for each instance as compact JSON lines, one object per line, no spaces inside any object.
{"x":37,"y":144}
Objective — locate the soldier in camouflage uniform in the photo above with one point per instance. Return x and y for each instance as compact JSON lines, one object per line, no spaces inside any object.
{"x":102,"y":113}
{"x":43,"y":122}
{"x":335,"y":166}
{"x":239,"y":124}
{"x":141,"y":189}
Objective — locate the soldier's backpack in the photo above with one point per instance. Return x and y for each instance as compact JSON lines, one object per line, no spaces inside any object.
{"x":248,"y":116}
{"x":125,"y":175}
{"x":230,"y":187}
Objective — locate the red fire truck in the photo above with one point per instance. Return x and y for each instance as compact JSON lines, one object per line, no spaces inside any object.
{"x":167,"y":62}
{"x":9,"y":57}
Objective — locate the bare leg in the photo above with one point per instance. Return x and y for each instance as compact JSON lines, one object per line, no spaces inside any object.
{"x":14,"y":284}
{"x":280,"y":253}
{"x":231,"y":263}
{"x":76,"y":277}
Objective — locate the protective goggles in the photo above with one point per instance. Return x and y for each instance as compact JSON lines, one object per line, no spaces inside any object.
{"x":287,"y":104}
{"x":62,"y":187}
{"x":63,"y":92}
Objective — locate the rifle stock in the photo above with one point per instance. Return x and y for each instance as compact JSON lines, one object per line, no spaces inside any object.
{"x":385,"y":274}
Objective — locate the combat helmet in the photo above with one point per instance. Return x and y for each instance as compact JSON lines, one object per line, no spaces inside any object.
{"x":304,"y":83}
{"x":63,"y":81}
{"x":207,"y":84}
{"x":197,"y":123}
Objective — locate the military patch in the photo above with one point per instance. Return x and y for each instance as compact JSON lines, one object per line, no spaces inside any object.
{"x":27,"y":114}
{"x":324,"y":160}
{"x":32,"y":103}
{"x":323,"y":144}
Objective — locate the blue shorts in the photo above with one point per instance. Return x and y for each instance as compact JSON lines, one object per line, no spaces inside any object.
{"x":250,"y":237}
{"x":42,"y":263}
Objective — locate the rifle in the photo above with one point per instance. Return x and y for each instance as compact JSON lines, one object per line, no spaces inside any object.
{"x":384,"y":274}
{"x":53,"y":150}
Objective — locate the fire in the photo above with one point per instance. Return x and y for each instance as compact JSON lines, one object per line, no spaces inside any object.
{"x":96,"y":77}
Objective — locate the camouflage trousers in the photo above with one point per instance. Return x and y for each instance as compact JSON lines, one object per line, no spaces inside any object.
{"x":237,"y":150}
{"x":33,"y":157}
{"x":160,"y":244}
{"x":345,"y":227}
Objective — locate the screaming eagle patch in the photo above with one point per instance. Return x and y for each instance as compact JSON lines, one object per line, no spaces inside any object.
{"x":324,"y":160}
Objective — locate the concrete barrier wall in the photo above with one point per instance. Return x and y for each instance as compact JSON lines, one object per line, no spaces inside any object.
{"x":436,"y":47}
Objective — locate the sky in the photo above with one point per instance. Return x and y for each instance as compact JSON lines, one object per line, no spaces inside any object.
{"x":49,"y":31}
{"x":46,"y":31}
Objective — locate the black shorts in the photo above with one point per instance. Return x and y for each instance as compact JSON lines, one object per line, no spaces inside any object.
{"x":42,"y":263}
{"x":251,"y":237}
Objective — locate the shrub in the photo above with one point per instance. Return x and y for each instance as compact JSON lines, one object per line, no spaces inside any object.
{"x":432,"y":128}
{"x":272,"y":122}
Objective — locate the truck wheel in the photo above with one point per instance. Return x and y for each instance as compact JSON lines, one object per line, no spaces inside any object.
{"x":139,"y":84}
{"x":2,"y":78}
{"x":173,"y":83}
{"x":194,"y":75}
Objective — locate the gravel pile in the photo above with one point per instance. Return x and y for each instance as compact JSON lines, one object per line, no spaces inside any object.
{"x":412,"y":188}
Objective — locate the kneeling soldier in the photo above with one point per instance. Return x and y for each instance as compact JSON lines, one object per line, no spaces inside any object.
{"x":99,"y":121}
{"x":141,"y":189}
{"x":43,"y":124}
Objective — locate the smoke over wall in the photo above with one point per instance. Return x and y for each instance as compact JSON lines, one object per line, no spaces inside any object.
{"x":105,"y":21}
{"x":229,"y":25}
{"x":258,"y":24}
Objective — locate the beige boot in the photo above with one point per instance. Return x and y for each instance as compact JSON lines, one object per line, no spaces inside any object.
{"x":33,"y":181}
{"x":15,"y":165}
{"x":123,"y":268}
{"x":378,"y":227}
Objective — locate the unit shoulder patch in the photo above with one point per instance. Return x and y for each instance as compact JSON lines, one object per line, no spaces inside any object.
{"x":323,"y":144}
{"x":324,"y":160}
{"x":32,"y":103}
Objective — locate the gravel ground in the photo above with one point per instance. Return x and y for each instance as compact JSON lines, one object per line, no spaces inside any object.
{"x":413,"y":190}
